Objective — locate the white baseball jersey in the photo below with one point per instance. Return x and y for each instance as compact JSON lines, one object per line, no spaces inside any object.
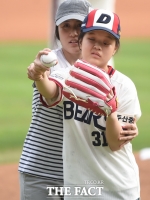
{"x":91,"y":169}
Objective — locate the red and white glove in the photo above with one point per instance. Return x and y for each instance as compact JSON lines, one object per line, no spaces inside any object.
{"x":88,"y":86}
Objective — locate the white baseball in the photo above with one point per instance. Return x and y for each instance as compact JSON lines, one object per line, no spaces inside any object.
{"x":49,"y":60}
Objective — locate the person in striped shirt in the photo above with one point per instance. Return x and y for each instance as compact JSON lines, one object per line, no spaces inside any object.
{"x":41,"y":163}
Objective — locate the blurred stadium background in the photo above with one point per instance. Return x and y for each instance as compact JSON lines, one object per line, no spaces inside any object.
{"x":25,"y":29}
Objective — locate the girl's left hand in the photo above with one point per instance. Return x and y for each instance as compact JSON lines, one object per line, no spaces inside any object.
{"x":129,"y":132}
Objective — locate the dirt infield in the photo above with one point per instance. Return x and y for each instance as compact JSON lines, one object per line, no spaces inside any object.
{"x":29,"y":20}
{"x":9,"y":180}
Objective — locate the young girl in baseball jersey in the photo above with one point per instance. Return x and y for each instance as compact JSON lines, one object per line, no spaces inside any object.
{"x":94,"y":164}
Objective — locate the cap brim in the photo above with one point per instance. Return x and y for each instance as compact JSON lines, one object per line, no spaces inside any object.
{"x":73,"y":16}
{"x":100,"y":28}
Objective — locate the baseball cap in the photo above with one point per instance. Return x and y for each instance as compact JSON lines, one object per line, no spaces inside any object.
{"x":72,"y":9}
{"x":99,"y":19}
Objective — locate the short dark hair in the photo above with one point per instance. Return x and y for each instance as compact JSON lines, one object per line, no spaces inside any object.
{"x":57,"y":33}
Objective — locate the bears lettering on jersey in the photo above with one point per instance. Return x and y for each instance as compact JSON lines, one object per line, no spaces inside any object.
{"x":72,"y":110}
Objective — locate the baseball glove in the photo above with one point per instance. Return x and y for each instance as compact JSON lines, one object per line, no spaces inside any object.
{"x":88,"y":86}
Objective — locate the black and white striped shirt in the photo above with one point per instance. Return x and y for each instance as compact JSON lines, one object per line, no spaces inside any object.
{"x":42,"y":150}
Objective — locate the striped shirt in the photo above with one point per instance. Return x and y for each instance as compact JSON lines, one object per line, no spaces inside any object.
{"x":42,"y":150}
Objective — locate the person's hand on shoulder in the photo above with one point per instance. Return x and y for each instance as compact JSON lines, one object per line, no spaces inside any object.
{"x":129,"y":132}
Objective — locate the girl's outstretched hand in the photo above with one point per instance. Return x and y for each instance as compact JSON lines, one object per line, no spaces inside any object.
{"x":36,"y":70}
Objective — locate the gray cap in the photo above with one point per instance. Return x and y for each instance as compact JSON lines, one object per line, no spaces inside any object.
{"x":72,"y":9}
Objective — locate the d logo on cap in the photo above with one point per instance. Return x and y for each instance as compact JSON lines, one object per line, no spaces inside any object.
{"x":104,"y":18}
{"x":100,"y":19}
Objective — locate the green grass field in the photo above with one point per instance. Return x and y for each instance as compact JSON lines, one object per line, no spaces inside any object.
{"x":133,"y":60}
{"x":16,"y":91}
